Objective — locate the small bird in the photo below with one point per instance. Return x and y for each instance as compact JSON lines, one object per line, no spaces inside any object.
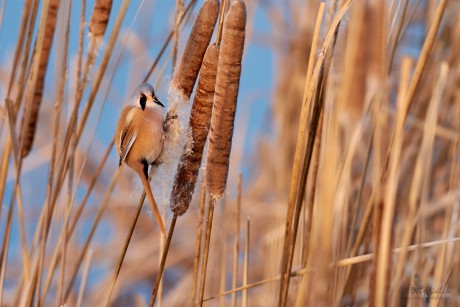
{"x":139,"y":137}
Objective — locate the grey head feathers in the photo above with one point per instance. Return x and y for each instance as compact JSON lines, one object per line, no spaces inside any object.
{"x":143,"y":92}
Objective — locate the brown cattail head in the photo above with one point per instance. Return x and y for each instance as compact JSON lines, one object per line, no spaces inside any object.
{"x":200,"y":120}
{"x":224,"y":107}
{"x":192,"y":57}
{"x":100,"y":17}
{"x":37,"y":92}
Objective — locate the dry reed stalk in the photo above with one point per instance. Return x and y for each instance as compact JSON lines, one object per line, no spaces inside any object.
{"x":295,"y":273}
{"x":126,"y":243}
{"x":376,"y":64}
{"x":425,"y":52}
{"x":18,"y":147}
{"x":70,"y":230}
{"x":294,"y":208}
{"x":410,"y":248}
{"x":58,"y":107}
{"x":397,"y":36}
{"x":26,"y":14}
{"x":352,"y":96}
{"x":223,"y":257}
{"x":179,"y":12}
{"x":225,"y":100}
{"x":17,"y":188}
{"x":304,"y":249}
{"x":163,"y":260}
{"x":38,"y":85}
{"x":80,"y":42}
{"x":96,"y":221}
{"x":311,"y":60}
{"x":207,"y":241}
{"x":27,"y":26}
{"x":301,"y":135}
{"x":200,"y":120}
{"x":84,"y":278}
{"x":237,"y":239}
{"x":244,"y":298}
{"x":391,"y":187}
{"x":9,"y":220}
{"x":192,"y":57}
{"x":196,"y":258}
{"x":422,"y":168}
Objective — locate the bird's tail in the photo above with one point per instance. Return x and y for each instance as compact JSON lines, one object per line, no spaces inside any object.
{"x":153,"y":203}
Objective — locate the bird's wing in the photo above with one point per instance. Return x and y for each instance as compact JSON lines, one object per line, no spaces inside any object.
{"x":127,"y":136}
{"x":126,"y":142}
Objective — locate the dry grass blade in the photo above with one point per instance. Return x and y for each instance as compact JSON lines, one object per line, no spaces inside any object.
{"x":236,"y":249}
{"x":84,"y":278}
{"x":192,"y":57}
{"x":96,"y":221}
{"x":126,"y":243}
{"x":179,"y":12}
{"x":163,"y":260}
{"x":199,"y":227}
{"x":207,"y":242}
{"x":425,"y":52}
{"x":200,"y":120}
{"x":28,"y":24}
{"x":70,"y":230}
{"x":313,"y":88}
{"x":395,"y":156}
{"x":224,"y":107}
{"x":37,"y":93}
{"x":244,"y":298}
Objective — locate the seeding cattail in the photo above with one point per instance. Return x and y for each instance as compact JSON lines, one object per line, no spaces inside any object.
{"x":200,"y":120}
{"x":100,"y":18}
{"x":37,"y":93}
{"x":97,"y":28}
{"x":180,"y":89}
{"x":224,"y":107}
{"x":200,"y":36}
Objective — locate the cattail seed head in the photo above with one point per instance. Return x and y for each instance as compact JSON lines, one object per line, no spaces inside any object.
{"x":224,"y":107}
{"x":37,"y":92}
{"x":200,"y":120}
{"x":100,"y":17}
{"x":192,"y":57}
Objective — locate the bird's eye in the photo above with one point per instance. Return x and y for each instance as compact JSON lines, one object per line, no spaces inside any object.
{"x":143,"y":99}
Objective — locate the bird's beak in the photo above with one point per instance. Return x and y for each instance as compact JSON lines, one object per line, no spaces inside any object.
{"x":155,"y":99}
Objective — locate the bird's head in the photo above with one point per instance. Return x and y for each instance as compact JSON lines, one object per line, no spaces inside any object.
{"x":144,"y":97}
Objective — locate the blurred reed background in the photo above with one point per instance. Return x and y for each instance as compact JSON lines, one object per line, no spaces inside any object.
{"x":343,"y":180}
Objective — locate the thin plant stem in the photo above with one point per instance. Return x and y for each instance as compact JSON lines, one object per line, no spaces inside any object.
{"x":163,"y":260}
{"x":204,"y":262}
{"x":244,"y":298}
{"x":236,"y":242}
{"x":199,"y":227}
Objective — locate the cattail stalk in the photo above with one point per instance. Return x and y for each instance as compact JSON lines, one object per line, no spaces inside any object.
{"x":27,"y":138}
{"x":224,"y":108}
{"x":200,"y":120}
{"x":223,"y":116}
{"x":97,"y":27}
{"x":200,"y":37}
